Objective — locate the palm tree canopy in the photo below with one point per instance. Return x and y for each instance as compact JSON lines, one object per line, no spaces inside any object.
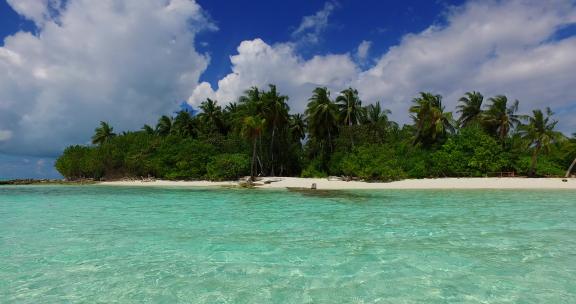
{"x":164,"y":125}
{"x":430,"y":120}
{"x":210,"y":109}
{"x":500,"y":118}
{"x":148,"y":129}
{"x":539,"y":134}
{"x":350,"y":107}
{"x":374,"y":114}
{"x":183,"y":124}
{"x":321,"y":114}
{"x":297,"y":127}
{"x":103,"y":133}
{"x":211,"y":115}
{"x":274,"y":107}
{"x":253,"y":126}
{"x":470,"y":108}
{"x":231,"y":107}
{"x":251,"y":101}
{"x":539,"y":130}
{"x":232,"y":116}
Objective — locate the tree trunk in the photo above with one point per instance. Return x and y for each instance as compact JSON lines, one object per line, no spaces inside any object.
{"x":329,"y":141}
{"x":570,"y":169}
{"x":261,"y":153}
{"x":534,"y":160}
{"x":261,"y":166}
{"x":272,"y":151}
{"x":351,"y":136}
{"x":253,"y":160}
{"x":503,"y":133}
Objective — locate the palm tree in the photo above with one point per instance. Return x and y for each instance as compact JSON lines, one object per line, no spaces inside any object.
{"x":570,"y":168}
{"x":249,"y":104}
{"x":374,"y":114}
{"x":377,"y":121}
{"x":232,"y":116}
{"x":350,"y":107}
{"x":183,"y":124}
{"x":470,"y":108}
{"x":103,"y":133}
{"x":322,"y":116}
{"x":211,"y":115}
{"x":431,"y":122}
{"x":148,"y":130}
{"x":499,"y":119}
{"x":297,"y":127}
{"x":573,"y":142}
{"x":251,"y":101}
{"x":540,"y":134}
{"x":231,"y":107}
{"x":252,"y":128}
{"x":164,"y":125}
{"x":275,"y":110}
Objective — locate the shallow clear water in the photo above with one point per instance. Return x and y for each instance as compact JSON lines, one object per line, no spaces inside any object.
{"x":93,"y":244}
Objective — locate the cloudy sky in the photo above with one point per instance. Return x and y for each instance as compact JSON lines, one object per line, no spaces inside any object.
{"x":67,"y":64}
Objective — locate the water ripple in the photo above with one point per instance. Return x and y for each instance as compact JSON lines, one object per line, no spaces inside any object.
{"x":93,"y":244}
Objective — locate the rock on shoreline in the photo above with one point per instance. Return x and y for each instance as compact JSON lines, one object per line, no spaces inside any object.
{"x":31,"y":181}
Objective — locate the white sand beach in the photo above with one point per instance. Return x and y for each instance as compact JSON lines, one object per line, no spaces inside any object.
{"x":326,"y":184}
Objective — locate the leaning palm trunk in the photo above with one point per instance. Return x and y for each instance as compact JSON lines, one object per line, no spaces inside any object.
{"x":534,"y":160}
{"x":253,"y":160}
{"x":272,"y":150}
{"x":351,"y":135}
{"x":329,"y":141}
{"x":503,"y":133}
{"x":571,"y":167}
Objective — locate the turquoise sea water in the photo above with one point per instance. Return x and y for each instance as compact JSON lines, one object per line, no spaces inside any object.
{"x":95,"y":244}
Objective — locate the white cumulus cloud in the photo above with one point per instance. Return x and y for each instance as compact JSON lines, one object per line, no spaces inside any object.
{"x":259,"y":64}
{"x":38,"y":11}
{"x":496,"y":47}
{"x":125,"y":62}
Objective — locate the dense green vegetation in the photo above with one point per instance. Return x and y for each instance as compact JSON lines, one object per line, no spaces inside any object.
{"x":257,"y":135}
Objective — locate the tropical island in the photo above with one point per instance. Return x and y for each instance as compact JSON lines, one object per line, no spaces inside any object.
{"x":335,"y":136}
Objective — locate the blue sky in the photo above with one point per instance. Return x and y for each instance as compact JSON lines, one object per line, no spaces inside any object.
{"x":11,"y":22}
{"x":67,"y":64}
{"x":348,"y":25}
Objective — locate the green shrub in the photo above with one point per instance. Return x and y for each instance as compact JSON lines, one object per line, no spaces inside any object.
{"x":335,"y":163}
{"x":228,"y":167}
{"x":371,"y":163}
{"x":470,"y":153}
{"x":314,"y":169}
{"x":182,"y":158}
{"x":80,"y":162}
{"x":544,"y":166}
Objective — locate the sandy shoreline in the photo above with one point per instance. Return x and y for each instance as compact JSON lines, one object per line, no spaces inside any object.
{"x":325,"y":184}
